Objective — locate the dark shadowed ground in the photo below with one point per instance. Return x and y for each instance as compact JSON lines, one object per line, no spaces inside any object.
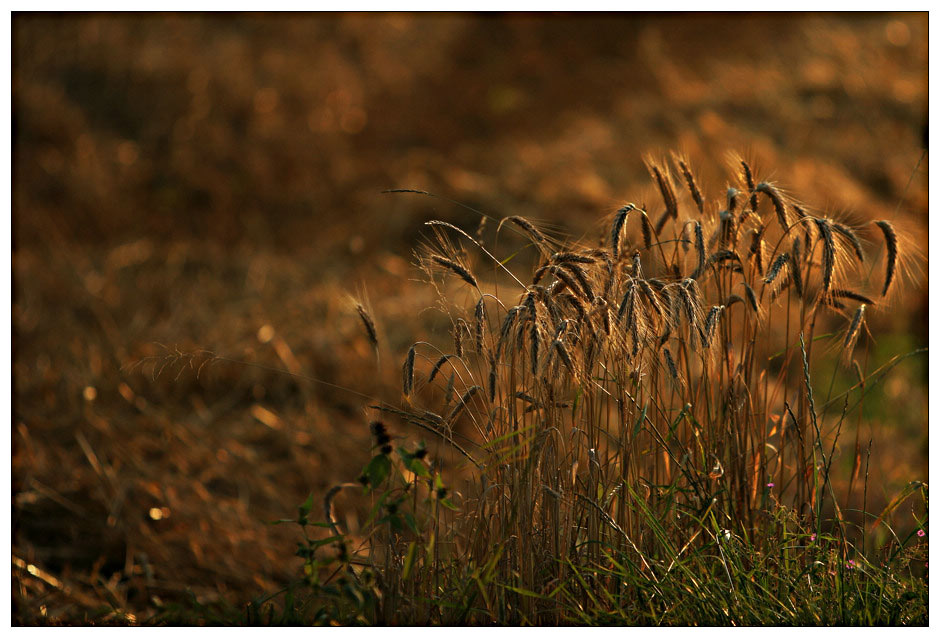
{"x":214,"y":183}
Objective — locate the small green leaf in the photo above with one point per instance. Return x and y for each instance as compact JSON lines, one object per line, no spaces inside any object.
{"x":327,"y":540}
{"x":306,"y":506}
{"x":378,"y":469}
{"x":418,"y":468}
{"x":409,"y":561}
{"x":639,"y":421}
{"x":450,"y":505}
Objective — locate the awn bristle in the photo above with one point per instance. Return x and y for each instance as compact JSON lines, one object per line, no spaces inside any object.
{"x":891,"y":243}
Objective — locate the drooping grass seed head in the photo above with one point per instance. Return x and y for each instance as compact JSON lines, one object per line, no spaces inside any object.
{"x":692,"y":185}
{"x":849,"y":235}
{"x":663,"y":182}
{"x":455,"y":268}
{"x":891,"y":247}
{"x":616,"y":230}
{"x":851,"y":335}
{"x":776,"y":198}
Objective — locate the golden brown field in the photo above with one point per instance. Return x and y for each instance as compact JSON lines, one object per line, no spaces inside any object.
{"x":198,"y":207}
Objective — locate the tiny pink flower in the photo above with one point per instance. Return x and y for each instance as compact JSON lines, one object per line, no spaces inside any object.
{"x":770,"y":485}
{"x":850,"y":565}
{"x":812,"y":538}
{"x":920,"y":533}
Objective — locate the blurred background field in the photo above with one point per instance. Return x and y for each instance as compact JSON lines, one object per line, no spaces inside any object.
{"x":187,"y":183}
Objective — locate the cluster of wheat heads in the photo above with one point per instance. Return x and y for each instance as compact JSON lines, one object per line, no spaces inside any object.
{"x":633,"y":392}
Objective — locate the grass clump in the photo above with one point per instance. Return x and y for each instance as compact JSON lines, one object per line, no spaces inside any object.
{"x":637,"y":434}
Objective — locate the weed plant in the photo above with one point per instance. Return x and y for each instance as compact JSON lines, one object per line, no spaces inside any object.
{"x":635,"y":427}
